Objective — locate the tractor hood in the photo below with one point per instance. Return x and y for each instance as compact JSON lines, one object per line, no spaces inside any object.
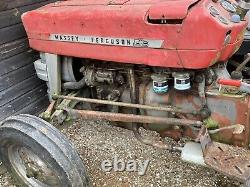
{"x":159,"y":9}
{"x":170,"y":10}
{"x":164,"y":33}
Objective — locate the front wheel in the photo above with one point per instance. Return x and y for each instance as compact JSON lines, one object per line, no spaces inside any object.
{"x":38,"y":155}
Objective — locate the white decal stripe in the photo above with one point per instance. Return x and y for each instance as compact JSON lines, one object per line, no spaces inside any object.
{"x":125,"y":42}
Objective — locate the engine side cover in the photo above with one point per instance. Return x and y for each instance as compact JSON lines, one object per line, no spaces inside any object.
{"x":190,"y":34}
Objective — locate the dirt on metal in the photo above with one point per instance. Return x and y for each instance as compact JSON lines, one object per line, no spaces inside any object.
{"x":98,"y":140}
{"x":232,"y":161}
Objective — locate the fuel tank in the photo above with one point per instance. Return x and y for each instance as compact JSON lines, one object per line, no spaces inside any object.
{"x":190,"y":34}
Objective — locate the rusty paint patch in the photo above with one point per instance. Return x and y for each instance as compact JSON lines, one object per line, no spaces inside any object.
{"x":229,"y":160}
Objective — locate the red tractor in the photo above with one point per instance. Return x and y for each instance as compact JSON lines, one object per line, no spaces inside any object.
{"x":154,"y":64}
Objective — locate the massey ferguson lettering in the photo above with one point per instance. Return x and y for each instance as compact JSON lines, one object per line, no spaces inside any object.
{"x":112,"y":41}
{"x":67,"y":38}
{"x":124,"y":42}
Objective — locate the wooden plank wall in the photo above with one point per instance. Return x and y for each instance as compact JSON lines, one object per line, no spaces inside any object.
{"x":20,"y":90}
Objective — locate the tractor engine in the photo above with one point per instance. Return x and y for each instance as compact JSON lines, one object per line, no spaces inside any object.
{"x":166,"y":57}
{"x":191,"y":94}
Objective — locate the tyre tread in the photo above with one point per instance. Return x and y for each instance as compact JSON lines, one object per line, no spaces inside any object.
{"x":28,"y":124}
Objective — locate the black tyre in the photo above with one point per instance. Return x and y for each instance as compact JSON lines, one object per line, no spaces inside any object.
{"x":38,"y":155}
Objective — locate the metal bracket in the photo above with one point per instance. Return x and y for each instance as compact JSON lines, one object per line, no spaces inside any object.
{"x":229,"y":160}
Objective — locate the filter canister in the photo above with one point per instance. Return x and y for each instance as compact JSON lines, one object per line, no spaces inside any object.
{"x":160,"y":83}
{"x":181,"y":81}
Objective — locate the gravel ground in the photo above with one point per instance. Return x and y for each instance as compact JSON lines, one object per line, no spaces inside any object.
{"x":97,"y":141}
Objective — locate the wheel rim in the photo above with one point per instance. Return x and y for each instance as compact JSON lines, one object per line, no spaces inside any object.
{"x":32,"y":169}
